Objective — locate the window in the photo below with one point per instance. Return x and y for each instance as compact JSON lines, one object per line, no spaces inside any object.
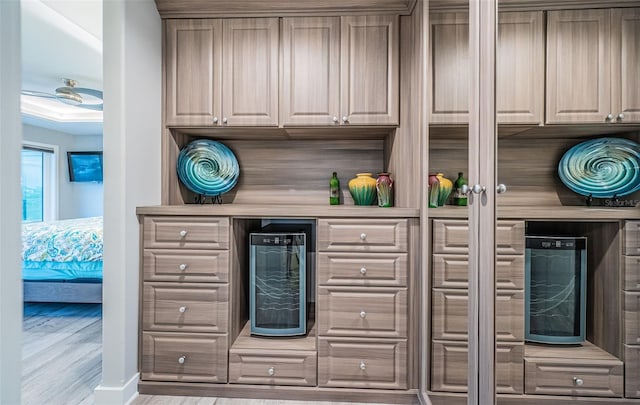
{"x":39,"y":182}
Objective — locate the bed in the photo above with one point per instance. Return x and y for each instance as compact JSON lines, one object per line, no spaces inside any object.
{"x":62,"y":260}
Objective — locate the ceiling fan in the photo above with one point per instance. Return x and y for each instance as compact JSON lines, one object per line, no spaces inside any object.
{"x":70,"y":94}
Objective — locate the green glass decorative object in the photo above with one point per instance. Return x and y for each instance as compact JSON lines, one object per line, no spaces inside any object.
{"x":434,"y":190}
{"x":363,"y":189}
{"x":384,"y":188}
{"x":459,"y":198}
{"x":446,"y":187}
{"x":334,"y":190}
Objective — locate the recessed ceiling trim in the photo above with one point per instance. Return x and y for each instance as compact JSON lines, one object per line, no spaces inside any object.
{"x":41,"y":108}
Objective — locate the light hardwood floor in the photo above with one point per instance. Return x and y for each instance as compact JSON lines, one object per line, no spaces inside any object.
{"x":61,"y":353}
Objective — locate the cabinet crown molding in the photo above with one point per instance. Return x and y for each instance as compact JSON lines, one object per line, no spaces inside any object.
{"x":528,"y":5}
{"x":279,"y":8}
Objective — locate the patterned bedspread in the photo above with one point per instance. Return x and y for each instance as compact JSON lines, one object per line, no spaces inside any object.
{"x":71,"y":240}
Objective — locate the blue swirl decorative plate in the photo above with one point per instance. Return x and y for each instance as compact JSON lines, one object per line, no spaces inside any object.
{"x":207,"y":167}
{"x":603,"y":167}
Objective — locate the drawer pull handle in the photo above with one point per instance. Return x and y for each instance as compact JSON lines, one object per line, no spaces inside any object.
{"x":363,"y":366}
{"x":183,"y":266}
{"x":271,"y":371}
{"x":363,"y":271}
{"x":620,"y":117}
{"x":182,"y":359}
{"x":363,"y":314}
{"x":183,"y":233}
{"x":182,"y":309}
{"x":578,"y":381}
{"x":363,"y":236}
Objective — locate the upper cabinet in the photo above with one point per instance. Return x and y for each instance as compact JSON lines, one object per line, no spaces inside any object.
{"x":593,"y":60}
{"x":222,"y":72}
{"x":519,"y":68}
{"x":340,"y":71}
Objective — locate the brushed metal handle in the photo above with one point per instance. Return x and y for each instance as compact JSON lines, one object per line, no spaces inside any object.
{"x":363,"y":365}
{"x":363,"y":314}
{"x":363,"y":236}
{"x":215,"y":120}
{"x":224,"y":120}
{"x":345,"y":119}
{"x":335,"y":119}
{"x":620,"y":117}
{"x":609,"y":117}
{"x":183,"y":266}
{"x":182,"y":359}
{"x":476,"y":189}
{"x":578,"y":381}
{"x":501,"y":189}
{"x":182,"y":309}
{"x":183,"y":233}
{"x":271,"y":371}
{"x":363,"y":270}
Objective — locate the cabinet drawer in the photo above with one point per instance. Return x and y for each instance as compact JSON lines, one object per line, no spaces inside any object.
{"x":632,"y":238}
{"x":451,"y":271}
{"x":449,"y":367}
{"x":379,"y":269}
{"x":184,"y":357}
{"x":632,"y":273}
{"x":368,"y":311}
{"x":204,"y":266}
{"x":185,"y":307}
{"x":452,"y":236}
{"x":365,"y":363}
{"x":272,"y":367}
{"x":365,"y":235}
{"x":555,"y":376}
{"x":449,"y":315}
{"x":632,"y":318}
{"x":632,"y":371}
{"x":186,"y":232}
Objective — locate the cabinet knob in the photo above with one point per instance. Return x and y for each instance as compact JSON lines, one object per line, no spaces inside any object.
{"x":182,"y":359}
{"x":183,"y":266}
{"x":363,"y":271}
{"x":224,"y":120}
{"x":578,"y":381}
{"x":501,"y":189}
{"x":183,"y":233}
{"x":345,"y":119}
{"x":271,"y":371}
{"x":363,"y":314}
{"x":215,"y":120}
{"x":182,"y":309}
{"x":363,"y":236}
{"x":620,"y":117}
{"x":335,"y":119}
{"x":609,"y":117}
{"x":363,"y":366}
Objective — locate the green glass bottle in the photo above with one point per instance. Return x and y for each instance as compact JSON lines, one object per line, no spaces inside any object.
{"x":334,"y":190}
{"x":459,"y":198}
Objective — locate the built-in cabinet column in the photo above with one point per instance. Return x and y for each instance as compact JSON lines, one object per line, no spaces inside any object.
{"x":592,"y":65}
{"x":632,"y":309}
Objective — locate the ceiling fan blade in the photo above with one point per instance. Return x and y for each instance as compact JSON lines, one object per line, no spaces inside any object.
{"x":37,"y":94}
{"x":95,"y":107}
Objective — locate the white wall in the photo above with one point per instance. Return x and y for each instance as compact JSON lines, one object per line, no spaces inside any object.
{"x":10,"y":205}
{"x":132,"y":132}
{"x":75,"y":200}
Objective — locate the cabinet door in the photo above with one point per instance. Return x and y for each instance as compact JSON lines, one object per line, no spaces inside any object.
{"x":578,"y":66}
{"x":520,"y":68}
{"x":370,"y":53}
{"x":193,"y":71}
{"x":625,"y":64}
{"x":250,"y":75}
{"x":310,"y":71}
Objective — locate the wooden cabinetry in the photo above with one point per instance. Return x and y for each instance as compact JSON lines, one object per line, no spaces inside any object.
{"x":592,"y":66}
{"x":632,"y":309}
{"x":340,"y":70}
{"x":362,"y":329}
{"x":519,"y":68}
{"x":221,"y":72}
{"x":450,"y":301}
{"x":185,"y":301}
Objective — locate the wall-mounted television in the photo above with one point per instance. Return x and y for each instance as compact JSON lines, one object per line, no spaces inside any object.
{"x":85,"y":166}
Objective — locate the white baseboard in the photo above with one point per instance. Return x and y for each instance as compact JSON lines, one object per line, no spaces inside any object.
{"x":123,"y":395}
